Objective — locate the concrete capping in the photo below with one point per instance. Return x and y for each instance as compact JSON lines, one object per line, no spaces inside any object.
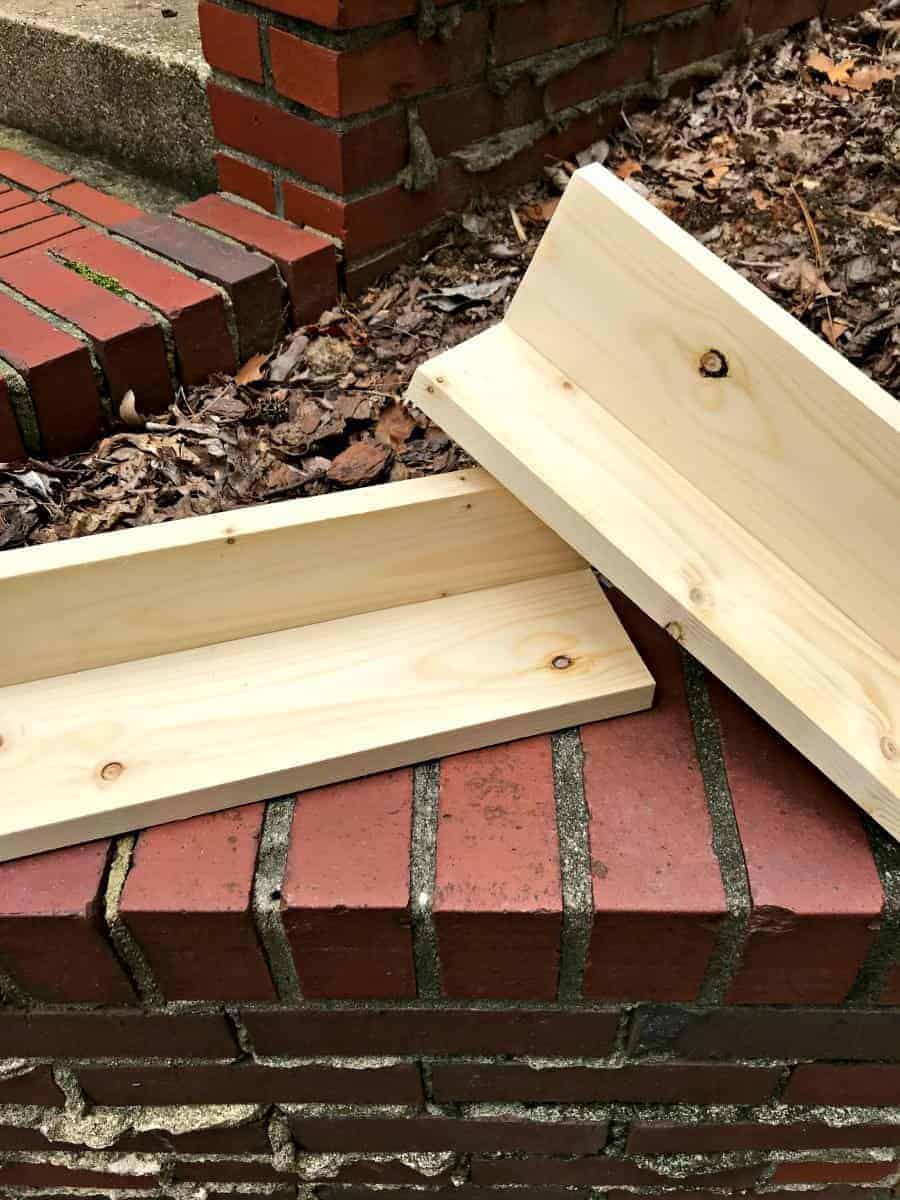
{"x":422,"y":876}
{"x":573,"y":830}
{"x":268,"y":881}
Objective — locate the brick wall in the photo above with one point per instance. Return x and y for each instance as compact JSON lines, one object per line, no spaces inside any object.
{"x":371,"y":119}
{"x":653,"y":956}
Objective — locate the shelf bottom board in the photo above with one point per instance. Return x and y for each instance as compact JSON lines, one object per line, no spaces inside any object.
{"x":116,"y":748}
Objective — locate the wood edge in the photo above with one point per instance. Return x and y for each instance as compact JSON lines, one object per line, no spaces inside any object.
{"x":256,"y":520}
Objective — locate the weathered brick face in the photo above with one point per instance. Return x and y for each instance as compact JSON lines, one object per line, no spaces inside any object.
{"x":655,"y":957}
{"x":370,"y":120}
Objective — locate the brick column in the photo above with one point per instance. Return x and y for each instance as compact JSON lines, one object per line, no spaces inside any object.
{"x":371,"y":120}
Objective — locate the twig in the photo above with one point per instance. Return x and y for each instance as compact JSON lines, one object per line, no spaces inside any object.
{"x":517,"y":225}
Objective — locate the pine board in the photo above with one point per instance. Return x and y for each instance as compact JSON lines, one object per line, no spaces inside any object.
{"x":755,"y":515}
{"x":439,"y":635}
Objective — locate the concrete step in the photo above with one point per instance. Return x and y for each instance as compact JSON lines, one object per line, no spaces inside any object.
{"x":118,"y":80}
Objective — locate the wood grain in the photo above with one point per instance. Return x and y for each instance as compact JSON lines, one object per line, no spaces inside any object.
{"x":816,"y":675}
{"x":795,"y":443}
{"x":102,"y":751}
{"x":128,"y":595}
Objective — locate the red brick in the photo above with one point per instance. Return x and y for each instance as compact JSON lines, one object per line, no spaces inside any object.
{"x":830,"y":1172}
{"x":28,"y":173}
{"x":344,"y":162}
{"x":230,"y":41}
{"x":94,"y":205}
{"x":194,"y":310}
{"x":52,"y":936}
{"x":346,"y":889}
{"x":459,"y":1192}
{"x":11,"y":446}
{"x":243,"y":179}
{"x":498,"y":899}
{"x":767,"y":1033}
{"x":522,"y":30}
{"x":665,"y":1084}
{"x":187,"y":900}
{"x":51,"y":1175}
{"x":668,"y":1137}
{"x":34,"y":1086}
{"x":113,"y":1033}
{"x":427,"y":1133}
{"x":251,"y":1138}
{"x":824,"y":1083}
{"x":128,"y":341}
{"x":37,"y":233}
{"x":455,"y":119}
{"x":24,"y":214}
{"x":13,"y":198}
{"x":306,"y":260}
{"x":650,"y":10}
{"x":658,"y":893}
{"x":250,"y":279}
{"x":387,"y":1171}
{"x":769,"y":15}
{"x":713,"y":35}
{"x":358,"y":276}
{"x":814,"y":886}
{"x":628,"y":63}
{"x":345,"y":14}
{"x":344,"y":83}
{"x":249,"y":1084}
{"x":226,"y":1172}
{"x":594,"y":1171}
{"x":416,"y":1031}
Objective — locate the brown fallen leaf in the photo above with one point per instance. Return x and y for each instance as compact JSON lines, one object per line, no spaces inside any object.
{"x":762,"y":202}
{"x":251,"y":371}
{"x":867,"y":77}
{"x":394,"y":426}
{"x":361,"y":462}
{"x":540,"y":214}
{"x":628,"y":168}
{"x":834,"y":329}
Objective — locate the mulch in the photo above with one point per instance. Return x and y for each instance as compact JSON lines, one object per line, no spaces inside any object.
{"x":786,"y":165}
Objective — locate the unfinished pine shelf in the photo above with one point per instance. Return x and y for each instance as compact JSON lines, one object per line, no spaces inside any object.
{"x":730,"y":472}
{"x":157,"y":673}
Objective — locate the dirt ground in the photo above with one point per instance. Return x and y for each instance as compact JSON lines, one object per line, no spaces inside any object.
{"x":787,"y":166}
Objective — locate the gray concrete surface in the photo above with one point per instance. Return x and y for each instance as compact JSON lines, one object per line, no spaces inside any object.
{"x":111,"y":78}
{"x":146,"y":193}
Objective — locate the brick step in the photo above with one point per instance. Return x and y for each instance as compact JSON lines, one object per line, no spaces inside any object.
{"x":86,"y":277}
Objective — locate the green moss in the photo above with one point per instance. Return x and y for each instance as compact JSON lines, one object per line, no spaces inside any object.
{"x":97,"y":277}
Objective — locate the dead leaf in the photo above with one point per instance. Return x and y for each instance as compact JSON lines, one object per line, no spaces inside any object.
{"x":628,"y":168}
{"x":361,"y":462}
{"x":128,"y":412}
{"x":834,"y":330}
{"x":251,"y":371}
{"x":394,"y":426}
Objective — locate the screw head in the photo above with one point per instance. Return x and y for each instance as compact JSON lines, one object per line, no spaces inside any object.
{"x":561,"y":662}
{"x":111,"y":770}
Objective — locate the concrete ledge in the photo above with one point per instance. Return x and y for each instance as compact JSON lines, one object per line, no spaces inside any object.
{"x":125,"y":83}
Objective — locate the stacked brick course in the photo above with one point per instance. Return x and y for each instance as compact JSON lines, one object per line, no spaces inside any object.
{"x":98,"y":298}
{"x":655,"y":956}
{"x":370,"y":120}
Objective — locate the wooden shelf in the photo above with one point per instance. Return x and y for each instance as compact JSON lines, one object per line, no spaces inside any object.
{"x":103,"y":749}
{"x":754,"y":514}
